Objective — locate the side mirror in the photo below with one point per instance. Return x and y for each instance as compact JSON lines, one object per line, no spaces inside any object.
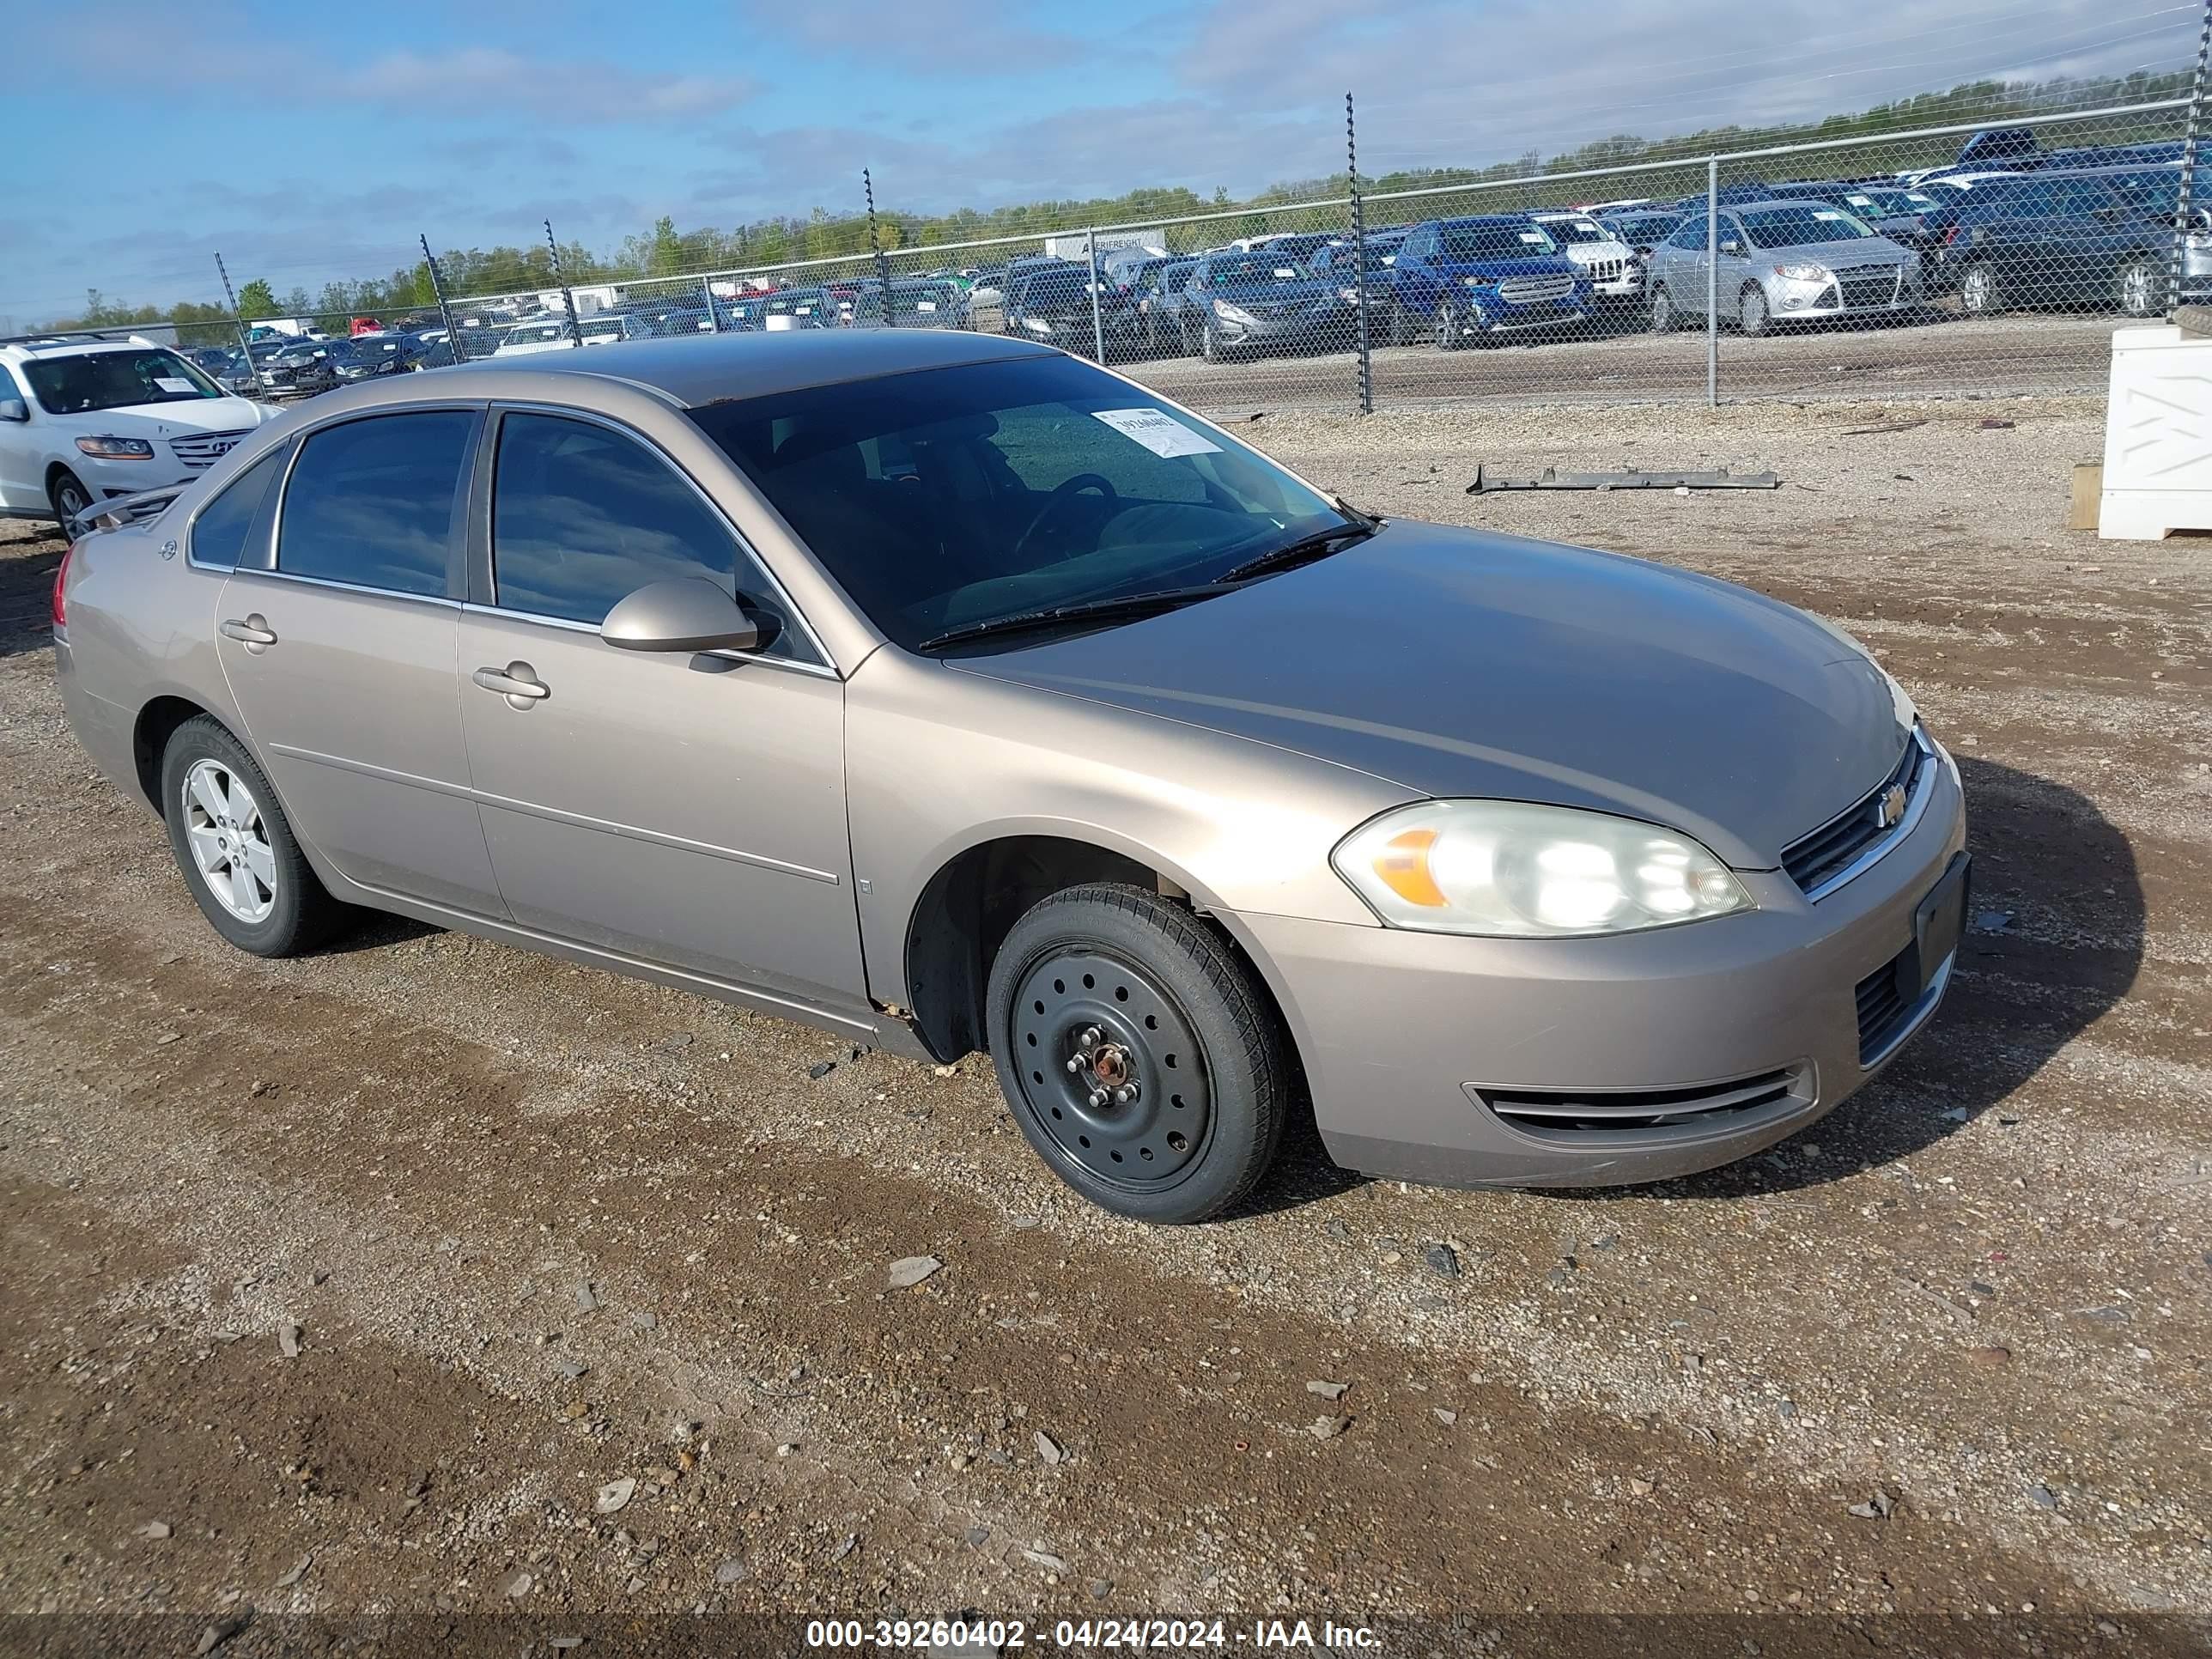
{"x":688,"y":614}
{"x":1729,"y":244}
{"x":14,"y":409}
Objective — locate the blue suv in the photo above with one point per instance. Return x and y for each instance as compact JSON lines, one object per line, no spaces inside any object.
{"x":1466,"y":281}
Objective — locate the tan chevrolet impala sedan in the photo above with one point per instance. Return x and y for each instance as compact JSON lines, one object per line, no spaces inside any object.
{"x":953,"y":694}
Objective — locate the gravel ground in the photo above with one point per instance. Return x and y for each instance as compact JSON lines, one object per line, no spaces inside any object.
{"x":424,"y":1280}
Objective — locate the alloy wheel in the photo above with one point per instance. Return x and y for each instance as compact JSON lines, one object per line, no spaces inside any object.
{"x":228,"y":840}
{"x":2138,"y":290}
{"x":1110,"y":1068}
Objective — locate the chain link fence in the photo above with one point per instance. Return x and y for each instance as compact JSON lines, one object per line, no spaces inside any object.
{"x":1948,"y":260}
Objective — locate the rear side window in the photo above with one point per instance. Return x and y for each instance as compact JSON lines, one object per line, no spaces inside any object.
{"x":218,"y":535}
{"x":372,"y":502}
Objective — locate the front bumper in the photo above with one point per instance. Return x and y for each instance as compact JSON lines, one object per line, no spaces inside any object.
{"x":1422,"y":1050}
{"x":1483,"y":313}
{"x":1308,"y":329}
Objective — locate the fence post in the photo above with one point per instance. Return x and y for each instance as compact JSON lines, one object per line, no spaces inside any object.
{"x":2184,"y":207}
{"x":876,"y":248}
{"x":1097,"y":317}
{"x":1713,"y":282}
{"x":1359,"y":257}
{"x":246,"y":340}
{"x":714,"y":317}
{"x":568,"y":300}
{"x":438,"y":287}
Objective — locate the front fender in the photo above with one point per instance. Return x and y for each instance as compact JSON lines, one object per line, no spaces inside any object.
{"x":939,"y":761}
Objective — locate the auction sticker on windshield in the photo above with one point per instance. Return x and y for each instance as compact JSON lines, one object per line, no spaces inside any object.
{"x":1159,"y":433}
{"x":170,"y":384}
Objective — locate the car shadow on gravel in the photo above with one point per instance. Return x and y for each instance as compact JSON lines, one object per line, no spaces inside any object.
{"x":26,"y":588}
{"x":2048,"y":867}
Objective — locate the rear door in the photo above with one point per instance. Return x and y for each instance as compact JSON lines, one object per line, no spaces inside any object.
{"x":338,"y":643}
{"x":685,"y":810}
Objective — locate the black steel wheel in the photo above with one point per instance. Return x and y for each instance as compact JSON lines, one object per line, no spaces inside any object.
{"x":1139,"y":1058}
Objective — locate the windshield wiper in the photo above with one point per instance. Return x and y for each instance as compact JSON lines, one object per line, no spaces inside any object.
{"x":1125,"y":604}
{"x":1318,"y":545}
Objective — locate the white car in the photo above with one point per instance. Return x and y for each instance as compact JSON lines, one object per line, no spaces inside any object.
{"x":1614,"y":271}
{"x":85,"y":420}
{"x":541,"y":334}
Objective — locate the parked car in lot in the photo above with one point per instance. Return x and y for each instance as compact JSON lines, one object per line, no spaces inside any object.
{"x":790,"y":308}
{"x":1161,"y":299}
{"x":1893,"y":210}
{"x":84,"y":421}
{"x":1642,"y":230}
{"x":1615,"y":274}
{"x":2053,"y":239}
{"x":941,"y":689}
{"x":1783,"y":261}
{"x":1247,"y":304}
{"x":1051,"y":303}
{"x":1472,"y":281}
{"x":300,"y":369}
{"x":1339,"y":266}
{"x":552,"y":334}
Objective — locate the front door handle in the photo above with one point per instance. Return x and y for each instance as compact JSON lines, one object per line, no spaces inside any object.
{"x":518,"y":682}
{"x":253,"y":633}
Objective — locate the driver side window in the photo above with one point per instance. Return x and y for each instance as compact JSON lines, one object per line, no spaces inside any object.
{"x":583,"y":516}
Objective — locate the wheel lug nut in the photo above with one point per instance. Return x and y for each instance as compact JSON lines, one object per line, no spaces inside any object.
{"x":1124,"y":1095}
{"x":1073,"y":1064}
{"x":1098,"y":1097}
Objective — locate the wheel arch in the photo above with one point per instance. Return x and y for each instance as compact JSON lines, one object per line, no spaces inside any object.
{"x":156,"y":724}
{"x":964,"y":912}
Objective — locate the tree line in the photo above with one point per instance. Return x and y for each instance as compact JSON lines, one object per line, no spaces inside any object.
{"x":666,"y":251}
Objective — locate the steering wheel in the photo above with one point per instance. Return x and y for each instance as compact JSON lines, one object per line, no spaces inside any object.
{"x":1059,"y":498}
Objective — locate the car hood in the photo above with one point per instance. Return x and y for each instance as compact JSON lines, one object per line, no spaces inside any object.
{"x":1274,"y":294}
{"x":1547,"y":264}
{"x":151,"y":421}
{"x":1853,"y":251}
{"x":1457,"y":663}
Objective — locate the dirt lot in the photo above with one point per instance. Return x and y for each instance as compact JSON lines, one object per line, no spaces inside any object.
{"x":534,"y":1231}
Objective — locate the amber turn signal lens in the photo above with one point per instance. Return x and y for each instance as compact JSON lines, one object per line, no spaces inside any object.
{"x":1403,"y":865}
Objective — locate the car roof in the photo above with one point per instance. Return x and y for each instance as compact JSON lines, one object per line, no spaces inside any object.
{"x":38,"y":348}
{"x":1485,"y":219}
{"x":713,"y":368}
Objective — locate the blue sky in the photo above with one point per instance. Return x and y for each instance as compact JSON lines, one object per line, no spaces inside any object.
{"x":307,"y":142}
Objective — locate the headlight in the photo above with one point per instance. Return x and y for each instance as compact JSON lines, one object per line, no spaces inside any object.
{"x":1513,"y":870}
{"x":1038,"y":324}
{"x":1479,"y":282}
{"x":1802,"y":273}
{"x":1230,"y":314}
{"x":116,"y":449}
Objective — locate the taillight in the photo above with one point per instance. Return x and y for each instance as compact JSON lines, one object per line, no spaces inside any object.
{"x":61,"y":575}
{"x":1950,"y":236}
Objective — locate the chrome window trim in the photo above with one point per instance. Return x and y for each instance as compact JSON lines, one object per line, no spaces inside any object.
{"x":824,"y":662}
{"x":446,"y":600}
{"x":813,"y":670}
{"x":1915,"y":810}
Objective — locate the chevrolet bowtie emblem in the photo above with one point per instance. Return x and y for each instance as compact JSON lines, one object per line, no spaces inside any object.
{"x":1891,"y":807}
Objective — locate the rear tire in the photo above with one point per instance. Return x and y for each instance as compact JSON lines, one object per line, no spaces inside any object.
{"x":1143,"y":996}
{"x":227,"y":829}
{"x":1665,"y":320}
{"x":1981,"y":290}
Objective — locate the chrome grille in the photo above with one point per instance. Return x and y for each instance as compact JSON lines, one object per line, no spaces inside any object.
{"x":1814,"y":861}
{"x":204,"y":449}
{"x":1868,"y":285}
{"x":1604,"y":271}
{"x":1535,"y":290}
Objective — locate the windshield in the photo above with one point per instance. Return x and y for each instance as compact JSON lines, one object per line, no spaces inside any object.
{"x":1058,"y":288}
{"x":1574,"y":230}
{"x":1800,"y":227}
{"x":1505,"y":239}
{"x":115,"y":379}
{"x":1656,"y":228}
{"x":1249,"y":269}
{"x":950,"y":496}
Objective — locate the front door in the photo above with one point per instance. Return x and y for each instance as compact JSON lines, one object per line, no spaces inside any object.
{"x":686,"y":811}
{"x":341,"y":658}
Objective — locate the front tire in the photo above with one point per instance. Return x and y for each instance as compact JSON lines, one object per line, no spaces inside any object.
{"x":1446,"y":327}
{"x":68,"y":498}
{"x":1137,"y":1053}
{"x":236,"y":848}
{"x":2140,"y":288}
{"x":1665,"y":320}
{"x":1751,"y":316}
{"x":1981,"y":291}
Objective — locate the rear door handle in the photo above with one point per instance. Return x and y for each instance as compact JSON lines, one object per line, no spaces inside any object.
{"x":518,"y":682}
{"x":253,"y":633}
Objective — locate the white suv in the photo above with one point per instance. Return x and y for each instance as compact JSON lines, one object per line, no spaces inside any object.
{"x":1611,"y":264}
{"x":84,"y":420}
